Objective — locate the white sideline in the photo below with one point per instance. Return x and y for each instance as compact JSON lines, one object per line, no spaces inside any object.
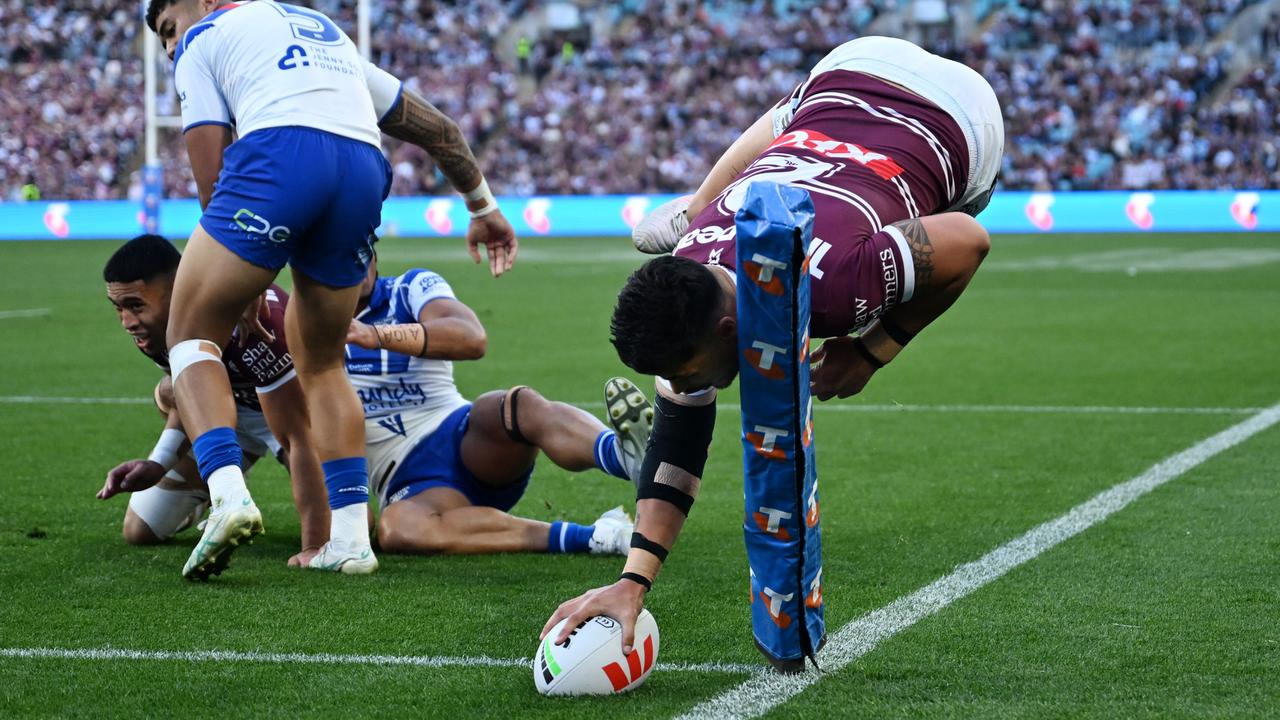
{"x":427,"y":661}
{"x":760,"y":694}
{"x":822,"y":407}
{"x":33,"y":312}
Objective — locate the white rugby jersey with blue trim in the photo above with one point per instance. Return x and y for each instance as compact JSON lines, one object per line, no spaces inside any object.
{"x":389,"y":383}
{"x":264,"y":64}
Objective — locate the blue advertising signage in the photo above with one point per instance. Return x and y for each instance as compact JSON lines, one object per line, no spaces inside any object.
{"x":1009,"y":212}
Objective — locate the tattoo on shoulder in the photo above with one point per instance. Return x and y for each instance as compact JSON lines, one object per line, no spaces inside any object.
{"x":417,"y":121}
{"x":921,"y":249}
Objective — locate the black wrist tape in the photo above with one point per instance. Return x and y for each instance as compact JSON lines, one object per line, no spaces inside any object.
{"x":899,"y":334}
{"x":638,"y":579}
{"x":861,"y":347}
{"x":658,"y":491}
{"x":643,"y":543}
{"x":423,"y":353}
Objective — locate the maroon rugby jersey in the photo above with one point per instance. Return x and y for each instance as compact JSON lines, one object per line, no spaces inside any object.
{"x":254,"y":362}
{"x":870,"y":154}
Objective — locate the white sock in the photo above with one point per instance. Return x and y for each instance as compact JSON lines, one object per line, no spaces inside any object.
{"x":226,"y":485}
{"x":349,"y":527}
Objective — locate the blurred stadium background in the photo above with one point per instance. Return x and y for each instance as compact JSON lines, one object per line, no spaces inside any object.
{"x":582,"y":97}
{"x":1071,"y":365}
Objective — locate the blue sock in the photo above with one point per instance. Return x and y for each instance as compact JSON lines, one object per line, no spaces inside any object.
{"x":215,"y":449}
{"x":608,"y":456}
{"x":567,"y":537}
{"x":347,"y":480}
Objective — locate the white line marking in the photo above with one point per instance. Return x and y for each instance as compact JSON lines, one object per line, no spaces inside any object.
{"x":1031,"y":409}
{"x":733,"y":407}
{"x":34,"y":312}
{"x":760,"y":694}
{"x":37,"y":400}
{"x":428,"y":661}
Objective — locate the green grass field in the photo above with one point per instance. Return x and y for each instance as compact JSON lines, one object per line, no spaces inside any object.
{"x":1072,"y":364}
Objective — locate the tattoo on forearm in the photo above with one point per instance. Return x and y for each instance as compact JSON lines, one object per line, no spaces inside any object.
{"x":417,"y":121}
{"x":921,"y":250}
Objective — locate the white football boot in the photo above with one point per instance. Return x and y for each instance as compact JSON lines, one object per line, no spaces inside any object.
{"x":612,"y":535}
{"x":658,"y":232}
{"x":344,"y":560}
{"x":226,"y":529}
{"x":631,"y":416}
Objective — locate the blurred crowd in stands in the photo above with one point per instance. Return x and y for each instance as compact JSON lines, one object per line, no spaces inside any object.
{"x":643,"y":95}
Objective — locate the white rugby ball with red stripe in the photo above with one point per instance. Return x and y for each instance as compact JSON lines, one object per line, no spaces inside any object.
{"x":591,"y":662}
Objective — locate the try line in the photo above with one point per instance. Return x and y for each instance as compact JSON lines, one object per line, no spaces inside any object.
{"x":425,"y":661}
{"x":760,"y":694}
{"x":821,"y":407}
{"x":33,"y":312}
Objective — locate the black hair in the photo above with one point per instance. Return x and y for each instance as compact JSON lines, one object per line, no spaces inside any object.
{"x":664,"y":313}
{"x":154,"y":8}
{"x":142,"y":258}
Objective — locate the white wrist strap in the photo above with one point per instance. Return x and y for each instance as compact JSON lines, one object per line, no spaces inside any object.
{"x":165,"y":453}
{"x":482,"y":192}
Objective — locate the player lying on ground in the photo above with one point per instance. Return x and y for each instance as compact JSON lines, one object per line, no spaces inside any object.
{"x":168,"y":494}
{"x":447,"y":471}
{"x":303,"y":184}
{"x":889,"y":140}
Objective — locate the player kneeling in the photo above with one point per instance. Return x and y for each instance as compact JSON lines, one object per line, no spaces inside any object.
{"x":447,"y":471}
{"x":168,"y":493}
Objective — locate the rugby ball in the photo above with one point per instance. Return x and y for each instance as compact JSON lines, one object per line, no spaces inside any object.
{"x":591,"y":661}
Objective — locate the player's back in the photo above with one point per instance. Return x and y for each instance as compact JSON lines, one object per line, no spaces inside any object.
{"x":271,"y":64}
{"x":870,"y":153}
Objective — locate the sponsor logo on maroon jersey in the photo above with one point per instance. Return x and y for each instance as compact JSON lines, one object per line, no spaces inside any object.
{"x":879,"y":163}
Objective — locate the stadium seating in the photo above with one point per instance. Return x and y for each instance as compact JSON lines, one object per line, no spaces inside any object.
{"x":642,"y":96}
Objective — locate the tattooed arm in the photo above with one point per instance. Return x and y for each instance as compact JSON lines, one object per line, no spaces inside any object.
{"x":446,"y":330}
{"x":946,"y":251}
{"x":409,"y":117}
{"x":414,"y":120}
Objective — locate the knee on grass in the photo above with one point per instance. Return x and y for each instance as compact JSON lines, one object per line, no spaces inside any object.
{"x":135,"y":531}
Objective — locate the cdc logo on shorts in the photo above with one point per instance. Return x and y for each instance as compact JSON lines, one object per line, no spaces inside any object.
{"x":784,"y":542}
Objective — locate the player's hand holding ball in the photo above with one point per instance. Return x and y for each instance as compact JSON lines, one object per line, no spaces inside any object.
{"x":602,"y":642}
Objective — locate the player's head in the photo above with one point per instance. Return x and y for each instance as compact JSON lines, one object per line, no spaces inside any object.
{"x":676,"y":319}
{"x":171,"y":19}
{"x":139,"y":279}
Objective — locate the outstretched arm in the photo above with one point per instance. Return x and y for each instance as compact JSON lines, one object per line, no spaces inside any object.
{"x":740,"y":154}
{"x":669,"y":483}
{"x":138,"y":475}
{"x":414,"y":120}
{"x":660,"y":231}
{"x":946,"y":251}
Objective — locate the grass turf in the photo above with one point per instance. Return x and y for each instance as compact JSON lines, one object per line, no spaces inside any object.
{"x":1166,"y":610}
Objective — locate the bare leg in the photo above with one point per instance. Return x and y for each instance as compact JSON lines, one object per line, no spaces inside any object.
{"x":316,"y":328}
{"x":441,"y":520}
{"x":212,"y":288}
{"x":565,"y":433}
